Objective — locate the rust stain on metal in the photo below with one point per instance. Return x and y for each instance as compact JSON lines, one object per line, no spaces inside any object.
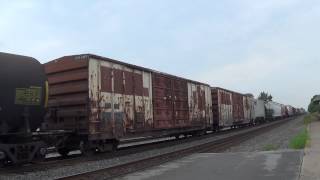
{"x":68,"y":83}
{"x":237,"y":107}
{"x":121,"y":99}
{"x":222,"y":107}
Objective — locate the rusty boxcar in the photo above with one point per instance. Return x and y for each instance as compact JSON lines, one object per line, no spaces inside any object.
{"x":231,"y":108}
{"x":237,"y":108}
{"x":103,"y":101}
{"x":222,"y":107}
{"x":248,"y":108}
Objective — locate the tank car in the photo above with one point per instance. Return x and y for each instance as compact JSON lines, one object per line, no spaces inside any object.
{"x":22,"y":107}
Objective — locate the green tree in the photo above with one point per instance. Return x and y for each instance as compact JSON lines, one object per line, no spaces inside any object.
{"x":265,"y":96}
{"x":314,"y":105}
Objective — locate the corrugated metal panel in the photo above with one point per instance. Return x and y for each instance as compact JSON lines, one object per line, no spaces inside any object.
{"x":170,"y":96}
{"x":66,"y":64}
{"x":68,"y":100}
{"x":215,"y":107}
{"x":222,"y":108}
{"x":208,"y":106}
{"x":71,"y":87}
{"x":163,"y":101}
{"x":67,"y":76}
{"x":121,"y":100}
{"x":199,"y":100}
{"x":68,"y":94}
{"x":237,"y":107}
{"x":180,"y":101}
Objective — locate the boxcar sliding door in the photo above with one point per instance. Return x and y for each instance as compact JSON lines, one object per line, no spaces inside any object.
{"x":124,"y":99}
{"x":170,"y":100}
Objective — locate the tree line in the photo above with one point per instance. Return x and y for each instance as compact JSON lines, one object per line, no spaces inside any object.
{"x":314,"y":105}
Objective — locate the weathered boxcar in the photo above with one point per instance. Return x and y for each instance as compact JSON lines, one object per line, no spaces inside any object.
{"x":248,"y":108}
{"x":259,"y":111}
{"x":231,"y":108}
{"x":103,"y":101}
{"x":222,"y":107}
{"x":237,"y":108}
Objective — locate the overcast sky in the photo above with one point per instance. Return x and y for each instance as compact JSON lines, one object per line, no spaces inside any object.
{"x":243,"y":45}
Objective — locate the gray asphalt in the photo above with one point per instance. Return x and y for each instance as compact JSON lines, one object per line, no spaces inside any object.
{"x":275,"y":165}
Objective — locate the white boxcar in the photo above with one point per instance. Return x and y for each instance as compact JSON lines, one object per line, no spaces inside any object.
{"x":259,"y":110}
{"x":275,"y":109}
{"x":289,"y":110}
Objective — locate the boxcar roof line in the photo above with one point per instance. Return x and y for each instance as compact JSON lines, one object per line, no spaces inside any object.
{"x":87,"y":56}
{"x":229,"y":91}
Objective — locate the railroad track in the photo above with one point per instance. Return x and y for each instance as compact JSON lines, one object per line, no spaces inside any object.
{"x":56,"y":162}
{"x":215,"y":146}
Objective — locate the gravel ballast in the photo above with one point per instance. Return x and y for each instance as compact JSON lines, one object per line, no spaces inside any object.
{"x":276,"y":139}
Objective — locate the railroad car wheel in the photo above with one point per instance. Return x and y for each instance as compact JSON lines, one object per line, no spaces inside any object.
{"x":41,"y":154}
{"x":63,"y":151}
{"x":115,"y":145}
{"x":107,"y":147}
{"x":202,"y":133}
{"x":85,"y":148}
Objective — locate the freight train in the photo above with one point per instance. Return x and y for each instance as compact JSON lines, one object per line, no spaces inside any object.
{"x":91,"y":103}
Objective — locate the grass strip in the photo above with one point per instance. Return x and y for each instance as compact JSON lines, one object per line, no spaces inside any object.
{"x":300,"y":140}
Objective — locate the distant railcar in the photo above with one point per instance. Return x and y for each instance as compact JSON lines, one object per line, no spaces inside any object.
{"x":237,"y":108}
{"x":273,"y":110}
{"x":289,"y":110}
{"x":103,"y":100}
{"x":283,"y":111}
{"x":231,"y":109}
{"x":260,"y":113}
